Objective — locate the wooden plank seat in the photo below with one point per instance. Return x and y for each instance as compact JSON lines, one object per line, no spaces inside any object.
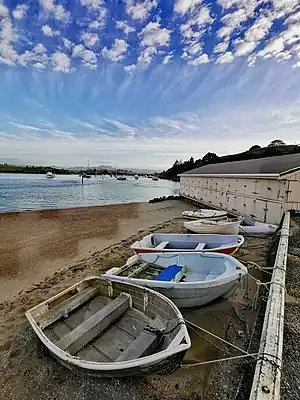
{"x":162,"y":245}
{"x":146,"y":343}
{"x":65,"y":307}
{"x":200,"y":246}
{"x":89,"y":329}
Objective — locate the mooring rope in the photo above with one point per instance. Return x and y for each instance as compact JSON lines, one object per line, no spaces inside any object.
{"x":249,"y":355}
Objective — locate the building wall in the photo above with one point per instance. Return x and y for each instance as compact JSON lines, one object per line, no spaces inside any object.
{"x":264,"y":199}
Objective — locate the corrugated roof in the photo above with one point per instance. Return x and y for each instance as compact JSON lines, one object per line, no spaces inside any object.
{"x":267,"y":165}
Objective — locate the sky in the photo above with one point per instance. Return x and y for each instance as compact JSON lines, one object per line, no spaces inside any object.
{"x":141,"y":83}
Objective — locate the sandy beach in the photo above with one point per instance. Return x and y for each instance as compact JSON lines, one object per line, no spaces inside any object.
{"x":37,"y":244}
{"x":43,"y":253}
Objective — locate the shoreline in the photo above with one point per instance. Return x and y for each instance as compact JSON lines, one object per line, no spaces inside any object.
{"x":39,"y":243}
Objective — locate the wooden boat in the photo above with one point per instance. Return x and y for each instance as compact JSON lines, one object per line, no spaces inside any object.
{"x":168,"y":242}
{"x":207,"y":226}
{"x":257,"y":228}
{"x":109,"y":329}
{"x":214,"y":215}
{"x":188,"y":279}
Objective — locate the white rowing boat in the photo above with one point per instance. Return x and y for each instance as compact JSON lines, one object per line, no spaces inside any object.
{"x":257,"y":229}
{"x":214,"y":215}
{"x":188,"y":279}
{"x":174,"y":242}
{"x":208,"y":226}
{"x":111,"y":329}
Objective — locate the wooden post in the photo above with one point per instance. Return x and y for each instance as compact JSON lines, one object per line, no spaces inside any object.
{"x":266,"y":382}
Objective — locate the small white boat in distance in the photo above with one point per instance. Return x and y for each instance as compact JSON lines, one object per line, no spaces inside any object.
{"x":204,"y":213}
{"x":257,"y":228}
{"x":208,"y":226}
{"x":109,"y":329}
{"x":50,"y":175}
{"x":175,"y":242}
{"x":188,"y":279}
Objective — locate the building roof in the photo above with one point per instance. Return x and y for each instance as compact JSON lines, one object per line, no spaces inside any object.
{"x":278,"y":165}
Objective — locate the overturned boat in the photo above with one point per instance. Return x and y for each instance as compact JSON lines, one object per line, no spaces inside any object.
{"x":111,"y":329}
{"x":169,"y":242}
{"x":188,"y":279}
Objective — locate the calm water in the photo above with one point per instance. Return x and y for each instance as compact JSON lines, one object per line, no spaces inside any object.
{"x":20,"y":192}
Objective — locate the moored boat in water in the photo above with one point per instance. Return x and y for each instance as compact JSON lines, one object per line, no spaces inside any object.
{"x":175,"y":242}
{"x":188,"y":279}
{"x":111,"y":329}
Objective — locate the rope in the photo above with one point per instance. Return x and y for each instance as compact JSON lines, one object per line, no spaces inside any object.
{"x":216,"y":337}
{"x":187,"y":366}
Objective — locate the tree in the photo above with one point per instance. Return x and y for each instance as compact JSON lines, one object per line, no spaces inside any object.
{"x":210,"y":158}
{"x":276,"y":142}
{"x":255,"y":147}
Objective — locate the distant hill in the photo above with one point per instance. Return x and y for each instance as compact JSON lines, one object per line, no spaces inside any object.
{"x":275,"y":148}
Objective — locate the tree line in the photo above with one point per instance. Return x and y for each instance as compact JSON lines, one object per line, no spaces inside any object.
{"x":275,"y":148}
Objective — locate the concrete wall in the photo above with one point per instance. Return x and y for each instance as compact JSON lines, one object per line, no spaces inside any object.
{"x":264,"y":199}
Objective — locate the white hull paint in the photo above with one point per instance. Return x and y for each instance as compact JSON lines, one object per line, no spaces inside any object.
{"x":213,"y":215}
{"x":218,"y":227}
{"x":172,"y":242}
{"x":208,"y":276}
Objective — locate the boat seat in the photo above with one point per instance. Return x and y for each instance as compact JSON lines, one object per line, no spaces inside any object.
{"x":200,"y":246}
{"x":171,"y":273}
{"x":162,"y":245}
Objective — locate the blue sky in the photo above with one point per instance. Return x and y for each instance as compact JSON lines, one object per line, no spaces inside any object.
{"x":140,"y":83}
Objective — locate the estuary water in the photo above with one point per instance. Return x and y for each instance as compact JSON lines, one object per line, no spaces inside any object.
{"x":23,"y":192}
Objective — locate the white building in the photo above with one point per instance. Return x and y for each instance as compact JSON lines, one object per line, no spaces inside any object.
{"x":262,"y":188}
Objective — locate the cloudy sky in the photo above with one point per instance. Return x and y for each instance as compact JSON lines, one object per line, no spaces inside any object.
{"x":139,"y":83}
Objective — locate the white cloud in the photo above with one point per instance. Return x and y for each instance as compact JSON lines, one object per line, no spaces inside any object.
{"x":90,"y":39}
{"x":47,"y":30}
{"x":274,"y":47}
{"x":153,"y":34}
{"x":167,"y":59}
{"x":258,"y":30}
{"x":67,"y":43}
{"x":203,"y":59}
{"x":3,"y":11}
{"x":20,"y":11}
{"x":146,"y":56}
{"x":89,"y":57}
{"x":226,"y":58}
{"x":60,"y":62}
{"x":221,"y":47}
{"x":117,"y":52}
{"x":39,"y":48}
{"x":95,"y":24}
{"x":196,"y":25}
{"x":130,"y":68}
{"x":195,"y":49}
{"x":125,"y":27}
{"x":140,"y":9}
{"x":244,"y":48}
{"x":58,"y":10}
{"x":39,"y":66}
{"x":93,"y":4}
{"x":183,"y":6}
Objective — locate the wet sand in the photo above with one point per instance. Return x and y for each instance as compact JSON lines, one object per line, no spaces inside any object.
{"x":92,"y":244}
{"x":37,"y":244}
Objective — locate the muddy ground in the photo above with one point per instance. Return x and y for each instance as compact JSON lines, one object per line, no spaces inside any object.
{"x":29,"y":372}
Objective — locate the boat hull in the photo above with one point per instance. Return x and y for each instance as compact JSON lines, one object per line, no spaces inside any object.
{"x":229,"y":250}
{"x":230,"y":228}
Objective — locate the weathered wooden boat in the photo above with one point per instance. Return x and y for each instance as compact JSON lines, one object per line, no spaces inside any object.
{"x":111,"y":329}
{"x":169,"y":242}
{"x":207,"y":226}
{"x":214,"y":215}
{"x":188,"y":279}
{"x":257,"y":229}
